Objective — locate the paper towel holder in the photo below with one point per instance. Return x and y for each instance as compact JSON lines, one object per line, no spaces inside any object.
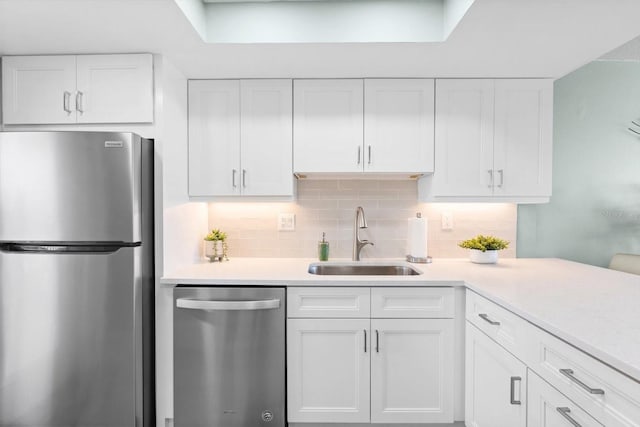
{"x":419,"y":260}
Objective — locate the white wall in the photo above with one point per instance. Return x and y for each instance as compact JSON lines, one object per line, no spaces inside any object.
{"x":594,"y":212}
{"x":181,"y":226}
{"x":184,"y":222}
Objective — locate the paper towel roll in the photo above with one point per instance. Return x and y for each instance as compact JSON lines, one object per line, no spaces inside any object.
{"x":417,"y":237}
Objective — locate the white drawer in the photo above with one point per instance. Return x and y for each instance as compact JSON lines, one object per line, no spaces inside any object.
{"x":506,"y":328}
{"x":427,"y":303}
{"x":614,"y":399}
{"x":328,"y":302}
{"x":548,"y":407}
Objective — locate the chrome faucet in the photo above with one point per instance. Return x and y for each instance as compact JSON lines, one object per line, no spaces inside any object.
{"x":359,"y":222}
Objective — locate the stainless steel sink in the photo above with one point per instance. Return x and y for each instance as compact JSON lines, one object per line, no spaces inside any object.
{"x":363,"y":270}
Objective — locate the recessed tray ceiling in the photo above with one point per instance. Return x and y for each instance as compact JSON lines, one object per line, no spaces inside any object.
{"x":325,"y":21}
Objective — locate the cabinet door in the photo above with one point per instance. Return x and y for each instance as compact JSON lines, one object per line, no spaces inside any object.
{"x":550,"y":408}
{"x":327,"y":125}
{"x":523,"y":137}
{"x":464,"y":138}
{"x":115,"y":88}
{"x":328,"y":370}
{"x":266,"y":140}
{"x":214,"y":137}
{"x":38,"y":89}
{"x":412,"y":371}
{"x":495,"y":383}
{"x":398,"y":125}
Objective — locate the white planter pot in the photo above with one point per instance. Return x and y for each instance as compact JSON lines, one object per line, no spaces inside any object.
{"x":213,"y":249}
{"x":479,"y":257}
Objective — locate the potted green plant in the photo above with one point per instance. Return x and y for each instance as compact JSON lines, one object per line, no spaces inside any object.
{"x":484,"y":249}
{"x":213,"y":244}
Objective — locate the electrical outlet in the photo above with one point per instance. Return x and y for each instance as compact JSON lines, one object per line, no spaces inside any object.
{"x":447,"y":220}
{"x":286,"y":222}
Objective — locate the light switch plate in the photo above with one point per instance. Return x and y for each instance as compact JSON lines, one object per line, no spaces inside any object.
{"x":447,"y":220}
{"x":286,"y":222}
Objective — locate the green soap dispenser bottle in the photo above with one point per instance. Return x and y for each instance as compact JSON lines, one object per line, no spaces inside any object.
{"x":323,"y":249}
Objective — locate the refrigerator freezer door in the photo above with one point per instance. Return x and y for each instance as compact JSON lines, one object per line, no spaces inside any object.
{"x":229,"y":357}
{"x":70,"y":186}
{"x":68,"y":327}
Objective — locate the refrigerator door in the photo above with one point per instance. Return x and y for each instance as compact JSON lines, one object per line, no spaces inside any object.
{"x":70,"y":187}
{"x":229,"y":357}
{"x":69,"y":324}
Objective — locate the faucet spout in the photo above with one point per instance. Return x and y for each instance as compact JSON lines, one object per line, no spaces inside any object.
{"x":359,"y":222}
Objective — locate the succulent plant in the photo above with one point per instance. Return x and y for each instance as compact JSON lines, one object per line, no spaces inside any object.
{"x":484,"y":243}
{"x":216,"y":235}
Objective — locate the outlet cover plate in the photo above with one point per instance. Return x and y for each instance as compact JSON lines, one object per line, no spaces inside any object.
{"x":286,"y":222}
{"x":447,"y":220}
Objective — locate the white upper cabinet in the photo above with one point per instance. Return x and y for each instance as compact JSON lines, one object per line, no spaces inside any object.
{"x":265,"y":135}
{"x":493,"y":141}
{"x":240,"y":138}
{"x":495,"y":384}
{"x":464,"y":138}
{"x":412,"y":371}
{"x":38,"y":89}
{"x":398,"y":125}
{"x":77,"y":89}
{"x":328,"y":125}
{"x":378,"y":126}
{"x":114,"y":89}
{"x":523,"y":137}
{"x":214,"y":137}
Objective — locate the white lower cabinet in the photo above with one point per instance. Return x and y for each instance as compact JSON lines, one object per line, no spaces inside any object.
{"x":367,"y":370}
{"x":328,"y":370}
{"x":550,"y":408}
{"x":495,"y":383}
{"x":412,"y":371}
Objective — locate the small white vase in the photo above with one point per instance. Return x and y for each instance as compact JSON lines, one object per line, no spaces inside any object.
{"x":486,"y":257}
{"x":213,"y":249}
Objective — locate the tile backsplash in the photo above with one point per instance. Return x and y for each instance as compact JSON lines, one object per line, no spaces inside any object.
{"x":329,"y":206}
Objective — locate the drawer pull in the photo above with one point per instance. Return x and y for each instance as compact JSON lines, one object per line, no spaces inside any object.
{"x":569,"y":374}
{"x":485,"y":317}
{"x":564,"y":411}
{"x":512,"y":397}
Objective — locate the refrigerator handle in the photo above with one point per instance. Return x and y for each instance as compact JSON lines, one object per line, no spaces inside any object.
{"x":194,"y":304}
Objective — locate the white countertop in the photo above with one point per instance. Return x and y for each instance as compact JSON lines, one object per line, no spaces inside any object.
{"x":592,"y":308}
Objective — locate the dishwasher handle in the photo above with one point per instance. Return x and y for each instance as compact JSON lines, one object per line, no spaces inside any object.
{"x":195,"y":304}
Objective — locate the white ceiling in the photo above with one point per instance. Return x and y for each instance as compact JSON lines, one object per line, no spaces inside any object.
{"x":497,"y":38}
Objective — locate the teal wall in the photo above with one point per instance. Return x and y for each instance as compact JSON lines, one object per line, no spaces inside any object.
{"x":595,"y":208}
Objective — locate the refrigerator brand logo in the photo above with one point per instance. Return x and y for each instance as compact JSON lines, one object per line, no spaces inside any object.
{"x":113,"y":144}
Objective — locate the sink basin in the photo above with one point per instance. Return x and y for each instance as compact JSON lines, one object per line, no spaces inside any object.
{"x":363,"y":270}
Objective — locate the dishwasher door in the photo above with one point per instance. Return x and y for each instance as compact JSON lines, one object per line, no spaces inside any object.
{"x":229,"y":357}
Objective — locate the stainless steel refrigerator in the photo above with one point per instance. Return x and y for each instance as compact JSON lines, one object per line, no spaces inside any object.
{"x":76,"y":279}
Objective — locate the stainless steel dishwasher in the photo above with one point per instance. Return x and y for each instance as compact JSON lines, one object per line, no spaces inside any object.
{"x":229,"y":356}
